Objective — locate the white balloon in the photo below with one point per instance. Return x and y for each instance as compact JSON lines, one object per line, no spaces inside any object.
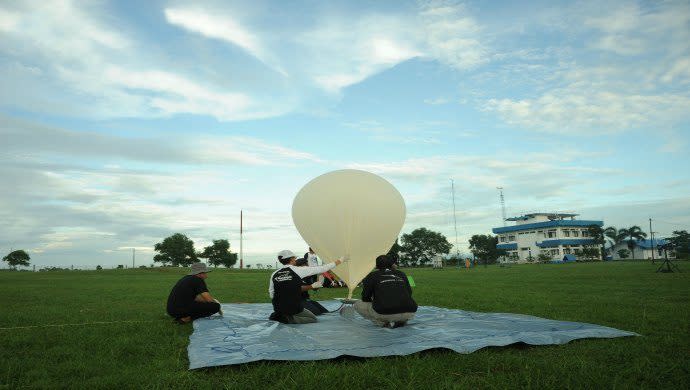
{"x":349,"y":213}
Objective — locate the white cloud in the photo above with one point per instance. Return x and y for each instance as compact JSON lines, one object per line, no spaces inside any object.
{"x":452,"y":35}
{"x":9,"y":20}
{"x":579,"y":110}
{"x":630,"y":30}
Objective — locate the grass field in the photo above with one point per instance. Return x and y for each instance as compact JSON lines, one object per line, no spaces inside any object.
{"x":142,"y":348}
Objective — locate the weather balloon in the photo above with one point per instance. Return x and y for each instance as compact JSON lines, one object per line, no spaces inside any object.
{"x":349,"y":213}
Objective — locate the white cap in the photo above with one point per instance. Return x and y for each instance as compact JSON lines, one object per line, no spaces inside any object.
{"x":285,"y":254}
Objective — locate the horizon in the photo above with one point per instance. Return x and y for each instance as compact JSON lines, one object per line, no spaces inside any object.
{"x":123,"y":123}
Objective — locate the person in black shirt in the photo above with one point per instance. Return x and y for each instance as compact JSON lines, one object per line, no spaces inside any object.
{"x":313,"y":306}
{"x":386,"y":296}
{"x":190,"y":299}
{"x":285,"y":289}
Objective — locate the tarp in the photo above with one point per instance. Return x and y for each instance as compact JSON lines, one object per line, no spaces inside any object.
{"x":245,"y":334}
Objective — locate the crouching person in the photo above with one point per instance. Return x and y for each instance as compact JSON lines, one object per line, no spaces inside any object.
{"x":285,"y":289}
{"x":313,"y":306}
{"x":386,"y":296}
{"x":190,"y":299}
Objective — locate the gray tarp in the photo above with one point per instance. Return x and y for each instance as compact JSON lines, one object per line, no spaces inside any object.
{"x":246,"y":335}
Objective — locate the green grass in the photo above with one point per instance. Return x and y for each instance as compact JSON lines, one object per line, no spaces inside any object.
{"x":152,"y":352}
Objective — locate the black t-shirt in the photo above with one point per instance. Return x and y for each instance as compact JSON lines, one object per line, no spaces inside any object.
{"x":389,"y":292}
{"x":287,"y":292}
{"x":183,"y":294}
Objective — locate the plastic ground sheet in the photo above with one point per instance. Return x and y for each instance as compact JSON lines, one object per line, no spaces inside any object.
{"x":244,"y":334}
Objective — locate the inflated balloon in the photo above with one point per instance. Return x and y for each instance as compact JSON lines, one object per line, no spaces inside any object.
{"x":349,"y":213}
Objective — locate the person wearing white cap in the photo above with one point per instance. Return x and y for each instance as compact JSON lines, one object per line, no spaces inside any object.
{"x":190,"y":299}
{"x":285,"y":289}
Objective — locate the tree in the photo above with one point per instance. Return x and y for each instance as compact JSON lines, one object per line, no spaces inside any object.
{"x":16,"y":258}
{"x":633,"y":234}
{"x":613,"y":236}
{"x":597,"y":235}
{"x":483,"y":247}
{"x":544,"y":258}
{"x":681,"y":243}
{"x":422,"y":245}
{"x":623,"y":253}
{"x":394,"y":252}
{"x":176,"y":250}
{"x":219,"y":254}
{"x":590,"y":253}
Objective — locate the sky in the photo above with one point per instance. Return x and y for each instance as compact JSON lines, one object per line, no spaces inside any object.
{"x":123,"y":122}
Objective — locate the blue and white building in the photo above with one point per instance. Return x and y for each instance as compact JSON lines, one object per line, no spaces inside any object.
{"x":553,"y":234}
{"x":644,"y":249}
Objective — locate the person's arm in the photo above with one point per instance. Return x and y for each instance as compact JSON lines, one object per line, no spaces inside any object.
{"x":270,"y":286}
{"x":367,"y":288}
{"x":303,"y":272}
{"x":202,"y":294}
{"x":204,"y":297}
{"x":407,"y":282}
{"x":313,"y":286}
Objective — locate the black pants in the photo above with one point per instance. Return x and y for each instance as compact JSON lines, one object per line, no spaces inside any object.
{"x":196,"y":310}
{"x":315,"y":307}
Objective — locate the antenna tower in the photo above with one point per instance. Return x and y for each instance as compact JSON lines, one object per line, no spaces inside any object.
{"x":503,"y":205}
{"x":455,"y":221}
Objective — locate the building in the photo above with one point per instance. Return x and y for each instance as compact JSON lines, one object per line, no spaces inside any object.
{"x":643,"y":249}
{"x":550,"y":233}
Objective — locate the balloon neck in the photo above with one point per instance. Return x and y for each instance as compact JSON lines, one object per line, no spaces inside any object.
{"x":349,"y":293}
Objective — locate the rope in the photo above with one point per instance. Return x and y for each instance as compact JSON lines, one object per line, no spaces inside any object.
{"x":79,"y":324}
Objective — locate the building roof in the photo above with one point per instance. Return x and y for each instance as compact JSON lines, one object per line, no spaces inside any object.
{"x":568,"y":241}
{"x":508,"y":247}
{"x":547,"y":224}
{"x":532,"y":215}
{"x":648,"y":244}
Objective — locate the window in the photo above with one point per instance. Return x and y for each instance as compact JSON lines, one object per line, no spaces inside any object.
{"x":511,"y":238}
{"x":585,"y":233}
{"x":555,"y":252}
{"x":566,"y":251}
{"x":566,"y":233}
{"x":502,"y":238}
{"x":524,"y":249}
{"x":576,"y":233}
{"x":551,"y":234}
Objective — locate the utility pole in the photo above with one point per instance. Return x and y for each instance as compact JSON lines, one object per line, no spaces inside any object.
{"x":133,"y":256}
{"x":241,"y":233}
{"x":651,"y":235}
{"x":455,"y":223}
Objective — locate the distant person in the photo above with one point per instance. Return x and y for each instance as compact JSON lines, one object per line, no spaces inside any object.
{"x":285,"y":289}
{"x":190,"y":299}
{"x":309,"y":304}
{"x":386,"y":296}
{"x":312,"y":261}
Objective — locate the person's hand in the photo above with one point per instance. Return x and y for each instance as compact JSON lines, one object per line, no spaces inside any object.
{"x":341,"y":260}
{"x":220,"y":311}
{"x":316,"y":285}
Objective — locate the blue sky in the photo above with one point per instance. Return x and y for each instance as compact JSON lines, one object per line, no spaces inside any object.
{"x":124,"y":122}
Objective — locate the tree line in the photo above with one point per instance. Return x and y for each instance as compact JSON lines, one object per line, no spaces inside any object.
{"x":417,"y":248}
{"x":178,"y":250}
